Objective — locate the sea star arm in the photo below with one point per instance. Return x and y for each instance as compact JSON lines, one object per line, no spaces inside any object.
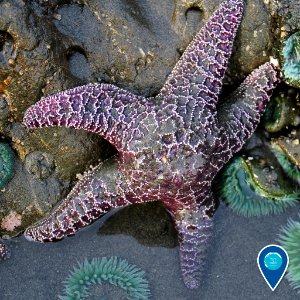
{"x":195,"y":228}
{"x":100,"y":190}
{"x":240,"y":113}
{"x":200,"y":70}
{"x":101,"y":108}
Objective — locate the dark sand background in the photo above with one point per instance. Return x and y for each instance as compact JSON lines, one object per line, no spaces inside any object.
{"x":37,"y":271}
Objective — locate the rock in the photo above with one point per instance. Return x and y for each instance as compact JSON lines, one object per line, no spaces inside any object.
{"x":31,"y":193}
{"x":286,"y":13}
{"x":40,"y":165}
{"x":40,"y":66}
{"x":254,"y":43}
{"x":49,"y":46}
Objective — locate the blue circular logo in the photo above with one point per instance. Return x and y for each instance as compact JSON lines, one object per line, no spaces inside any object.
{"x":273,"y":261}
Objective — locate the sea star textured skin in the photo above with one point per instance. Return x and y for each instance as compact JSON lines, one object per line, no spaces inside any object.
{"x":170,"y":146}
{"x":4,"y":252}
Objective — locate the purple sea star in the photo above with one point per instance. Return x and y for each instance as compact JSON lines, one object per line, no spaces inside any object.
{"x":170,"y":146}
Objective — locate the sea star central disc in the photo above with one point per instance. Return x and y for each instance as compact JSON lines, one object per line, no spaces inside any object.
{"x":170,"y":146}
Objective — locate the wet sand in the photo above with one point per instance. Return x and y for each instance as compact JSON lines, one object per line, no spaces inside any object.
{"x":37,"y":271}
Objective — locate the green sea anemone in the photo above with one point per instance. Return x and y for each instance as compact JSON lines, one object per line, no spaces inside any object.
{"x":281,"y":111}
{"x":251,"y":190}
{"x":112,"y":270}
{"x":289,"y":238}
{"x":289,"y":167}
{"x":6,"y":164}
{"x":291,"y":57}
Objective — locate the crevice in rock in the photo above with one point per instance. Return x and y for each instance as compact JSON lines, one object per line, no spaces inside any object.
{"x":193,"y":16}
{"x":78,"y":62}
{"x":6,"y":48}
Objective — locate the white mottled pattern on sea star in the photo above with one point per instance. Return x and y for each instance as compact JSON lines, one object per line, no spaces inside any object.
{"x":4,"y":252}
{"x":170,"y":146}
